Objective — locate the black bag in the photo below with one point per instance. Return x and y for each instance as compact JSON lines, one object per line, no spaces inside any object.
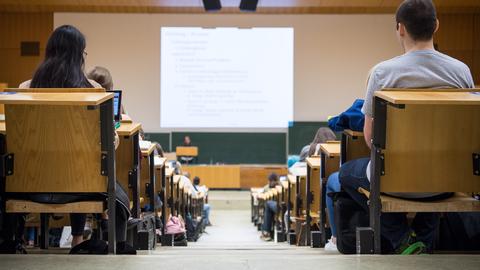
{"x":459,"y":232}
{"x":91,"y":246}
{"x":348,"y":216}
{"x":141,"y":232}
{"x":192,"y":229}
{"x":180,"y":240}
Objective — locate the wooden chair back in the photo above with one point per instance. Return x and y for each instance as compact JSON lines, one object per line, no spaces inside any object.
{"x":57,"y":148}
{"x":431,"y":140}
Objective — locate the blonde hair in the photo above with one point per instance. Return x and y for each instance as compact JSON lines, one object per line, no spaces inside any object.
{"x":102,"y":76}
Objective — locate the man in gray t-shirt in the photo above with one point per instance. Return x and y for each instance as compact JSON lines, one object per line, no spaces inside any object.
{"x":421,"y":66}
{"x":426,"y":68}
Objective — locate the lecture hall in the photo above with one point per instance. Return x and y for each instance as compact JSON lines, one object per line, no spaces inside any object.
{"x":240,"y":134}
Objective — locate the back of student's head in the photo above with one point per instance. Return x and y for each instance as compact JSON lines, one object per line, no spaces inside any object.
{"x":64,"y":61}
{"x":102,"y":76}
{"x":159,"y":149}
{"x":323,"y":135}
{"x":419,"y":18}
{"x":273,"y":177}
{"x":196,"y":181}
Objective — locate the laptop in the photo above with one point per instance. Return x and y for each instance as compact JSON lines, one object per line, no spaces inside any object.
{"x":117,"y":106}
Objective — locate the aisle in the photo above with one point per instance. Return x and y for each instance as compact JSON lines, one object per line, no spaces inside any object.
{"x":233,"y":244}
{"x":232,"y":229}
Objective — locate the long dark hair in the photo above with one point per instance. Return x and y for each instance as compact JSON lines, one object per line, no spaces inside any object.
{"x":63,"y":64}
{"x":323,"y":135}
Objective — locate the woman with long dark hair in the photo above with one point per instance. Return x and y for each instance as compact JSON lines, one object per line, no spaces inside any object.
{"x":63,"y":67}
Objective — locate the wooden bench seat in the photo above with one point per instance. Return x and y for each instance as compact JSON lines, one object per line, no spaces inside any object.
{"x":460,"y":202}
{"x":21,"y":206}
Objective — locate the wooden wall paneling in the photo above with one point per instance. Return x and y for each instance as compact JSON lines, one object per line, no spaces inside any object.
{"x":476,"y":49}
{"x":459,"y":37}
{"x":15,"y":28}
{"x":257,"y":176}
{"x":229,"y":6}
{"x":221,"y":176}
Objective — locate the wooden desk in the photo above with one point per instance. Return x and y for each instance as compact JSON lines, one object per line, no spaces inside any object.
{"x":313,"y":193}
{"x":434,"y":112}
{"x":234,"y":176}
{"x":3,"y":129}
{"x":411,"y":152}
{"x":127,"y":163}
{"x":128,"y":129}
{"x":59,"y":168}
{"x":75,"y":99}
{"x":353,"y":146}
{"x":330,"y":163}
{"x":330,"y":159}
{"x":160,"y":168}
{"x":75,"y":152}
{"x":297,"y":186}
{"x":176,"y":194}
{"x":216,"y":176}
{"x":186,"y":151}
{"x":431,"y":98}
{"x":168,"y":200}
{"x":147,"y":176}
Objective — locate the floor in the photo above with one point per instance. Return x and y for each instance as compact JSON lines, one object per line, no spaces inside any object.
{"x":233,"y":243}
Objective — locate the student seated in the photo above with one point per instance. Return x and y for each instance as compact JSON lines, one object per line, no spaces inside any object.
{"x":63,"y":68}
{"x":102,"y":76}
{"x":271,"y":209}
{"x":421,"y":66}
{"x":323,"y":135}
{"x":206,"y":207}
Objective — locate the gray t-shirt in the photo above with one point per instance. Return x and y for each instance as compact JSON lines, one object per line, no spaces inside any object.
{"x":417,"y":69}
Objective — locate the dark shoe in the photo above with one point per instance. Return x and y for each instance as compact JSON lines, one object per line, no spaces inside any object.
{"x":125,"y":249}
{"x":96,"y":247}
{"x":12,"y":247}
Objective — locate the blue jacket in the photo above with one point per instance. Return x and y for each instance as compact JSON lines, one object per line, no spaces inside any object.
{"x":352,"y":118}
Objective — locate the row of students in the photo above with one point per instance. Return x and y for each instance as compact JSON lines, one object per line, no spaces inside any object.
{"x":421,"y":66}
{"x":63,"y":67}
{"x":323,"y":134}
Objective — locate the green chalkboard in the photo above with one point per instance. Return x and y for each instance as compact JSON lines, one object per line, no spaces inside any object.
{"x":162,"y":138}
{"x":301,"y":134}
{"x":236,"y":148}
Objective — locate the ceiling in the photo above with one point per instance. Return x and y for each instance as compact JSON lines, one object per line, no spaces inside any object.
{"x":229,"y":6}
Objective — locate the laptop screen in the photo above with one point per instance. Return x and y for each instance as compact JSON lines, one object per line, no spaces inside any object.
{"x":117,"y":104}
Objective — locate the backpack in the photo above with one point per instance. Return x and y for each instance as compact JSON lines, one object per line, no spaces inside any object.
{"x":174,"y":226}
{"x":348,"y":216}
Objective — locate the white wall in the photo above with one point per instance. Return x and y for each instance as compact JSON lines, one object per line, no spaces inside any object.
{"x":333,"y":54}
